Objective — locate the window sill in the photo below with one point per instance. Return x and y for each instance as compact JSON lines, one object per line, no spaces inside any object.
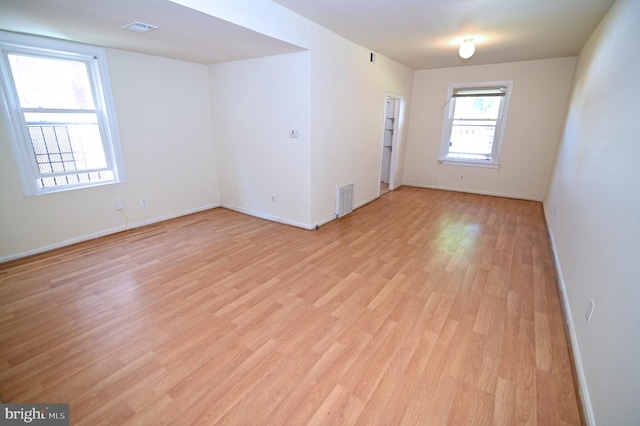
{"x":470,"y":163}
{"x":71,"y":187}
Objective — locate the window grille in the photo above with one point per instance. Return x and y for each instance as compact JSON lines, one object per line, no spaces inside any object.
{"x":64,"y":129}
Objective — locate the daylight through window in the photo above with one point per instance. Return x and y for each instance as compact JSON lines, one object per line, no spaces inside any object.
{"x":474,"y":123}
{"x":58,"y":106}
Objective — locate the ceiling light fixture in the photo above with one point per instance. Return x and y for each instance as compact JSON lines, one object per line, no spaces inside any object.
{"x":139,"y":27}
{"x":467,"y":48}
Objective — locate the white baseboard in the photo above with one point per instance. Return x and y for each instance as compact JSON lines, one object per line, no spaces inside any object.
{"x":362,"y":203}
{"x":261,"y":215}
{"x":326,"y":220}
{"x":355,"y":207}
{"x":107,"y":232}
{"x":470,"y":191}
{"x":163,"y":218}
{"x":583,"y":391}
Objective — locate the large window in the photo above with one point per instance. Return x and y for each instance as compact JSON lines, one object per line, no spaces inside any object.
{"x":474,"y":123}
{"x":57,"y":100}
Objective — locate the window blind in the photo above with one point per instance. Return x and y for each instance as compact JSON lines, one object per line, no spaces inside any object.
{"x":480,"y":91}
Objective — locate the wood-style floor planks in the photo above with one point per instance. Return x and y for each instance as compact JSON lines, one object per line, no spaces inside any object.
{"x":422,"y":307}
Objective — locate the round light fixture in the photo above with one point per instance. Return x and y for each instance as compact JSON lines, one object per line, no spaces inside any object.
{"x":467,"y":48}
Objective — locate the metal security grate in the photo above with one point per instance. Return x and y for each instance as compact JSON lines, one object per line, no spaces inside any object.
{"x":53,"y":149}
{"x":68,"y":153}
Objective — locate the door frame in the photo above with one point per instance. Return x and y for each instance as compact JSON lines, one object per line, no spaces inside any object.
{"x":393,"y":161}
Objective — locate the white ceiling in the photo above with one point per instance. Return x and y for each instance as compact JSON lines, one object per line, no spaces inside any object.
{"x":427,"y":33}
{"x":418,"y":33}
{"x":182,"y":33}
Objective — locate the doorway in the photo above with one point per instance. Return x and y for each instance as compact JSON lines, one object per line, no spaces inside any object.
{"x":389,"y":143}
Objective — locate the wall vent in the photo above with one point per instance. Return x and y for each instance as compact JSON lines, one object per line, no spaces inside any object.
{"x":344,"y":199}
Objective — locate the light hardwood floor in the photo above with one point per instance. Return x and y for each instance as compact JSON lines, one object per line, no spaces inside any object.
{"x":423,"y":307}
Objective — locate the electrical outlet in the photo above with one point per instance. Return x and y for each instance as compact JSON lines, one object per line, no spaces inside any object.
{"x":273,"y":198}
{"x":358,"y":189}
{"x":590,"y":308}
{"x":119,"y":205}
{"x":143,"y":202}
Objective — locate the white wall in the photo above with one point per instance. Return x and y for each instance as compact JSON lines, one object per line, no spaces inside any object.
{"x":164,"y":114}
{"x":538,"y":105}
{"x":346,"y":111}
{"x":170,"y":120}
{"x":593,"y":212}
{"x":255,"y":103}
{"x":348,"y":100}
{"x":333,"y":96}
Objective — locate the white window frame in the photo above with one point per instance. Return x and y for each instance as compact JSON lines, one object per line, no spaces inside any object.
{"x":493,"y":160}
{"x":96,"y":60}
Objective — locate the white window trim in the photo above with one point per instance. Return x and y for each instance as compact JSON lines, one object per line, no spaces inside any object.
{"x":500,"y":127}
{"x":21,"y":143}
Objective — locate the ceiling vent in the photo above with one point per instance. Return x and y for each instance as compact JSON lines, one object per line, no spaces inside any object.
{"x":139,"y":27}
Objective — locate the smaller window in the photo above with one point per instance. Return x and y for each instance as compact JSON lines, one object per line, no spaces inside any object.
{"x":57,"y":98}
{"x":475,"y":122}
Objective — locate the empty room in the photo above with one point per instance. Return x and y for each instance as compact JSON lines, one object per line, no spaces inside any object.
{"x":267,"y":212}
